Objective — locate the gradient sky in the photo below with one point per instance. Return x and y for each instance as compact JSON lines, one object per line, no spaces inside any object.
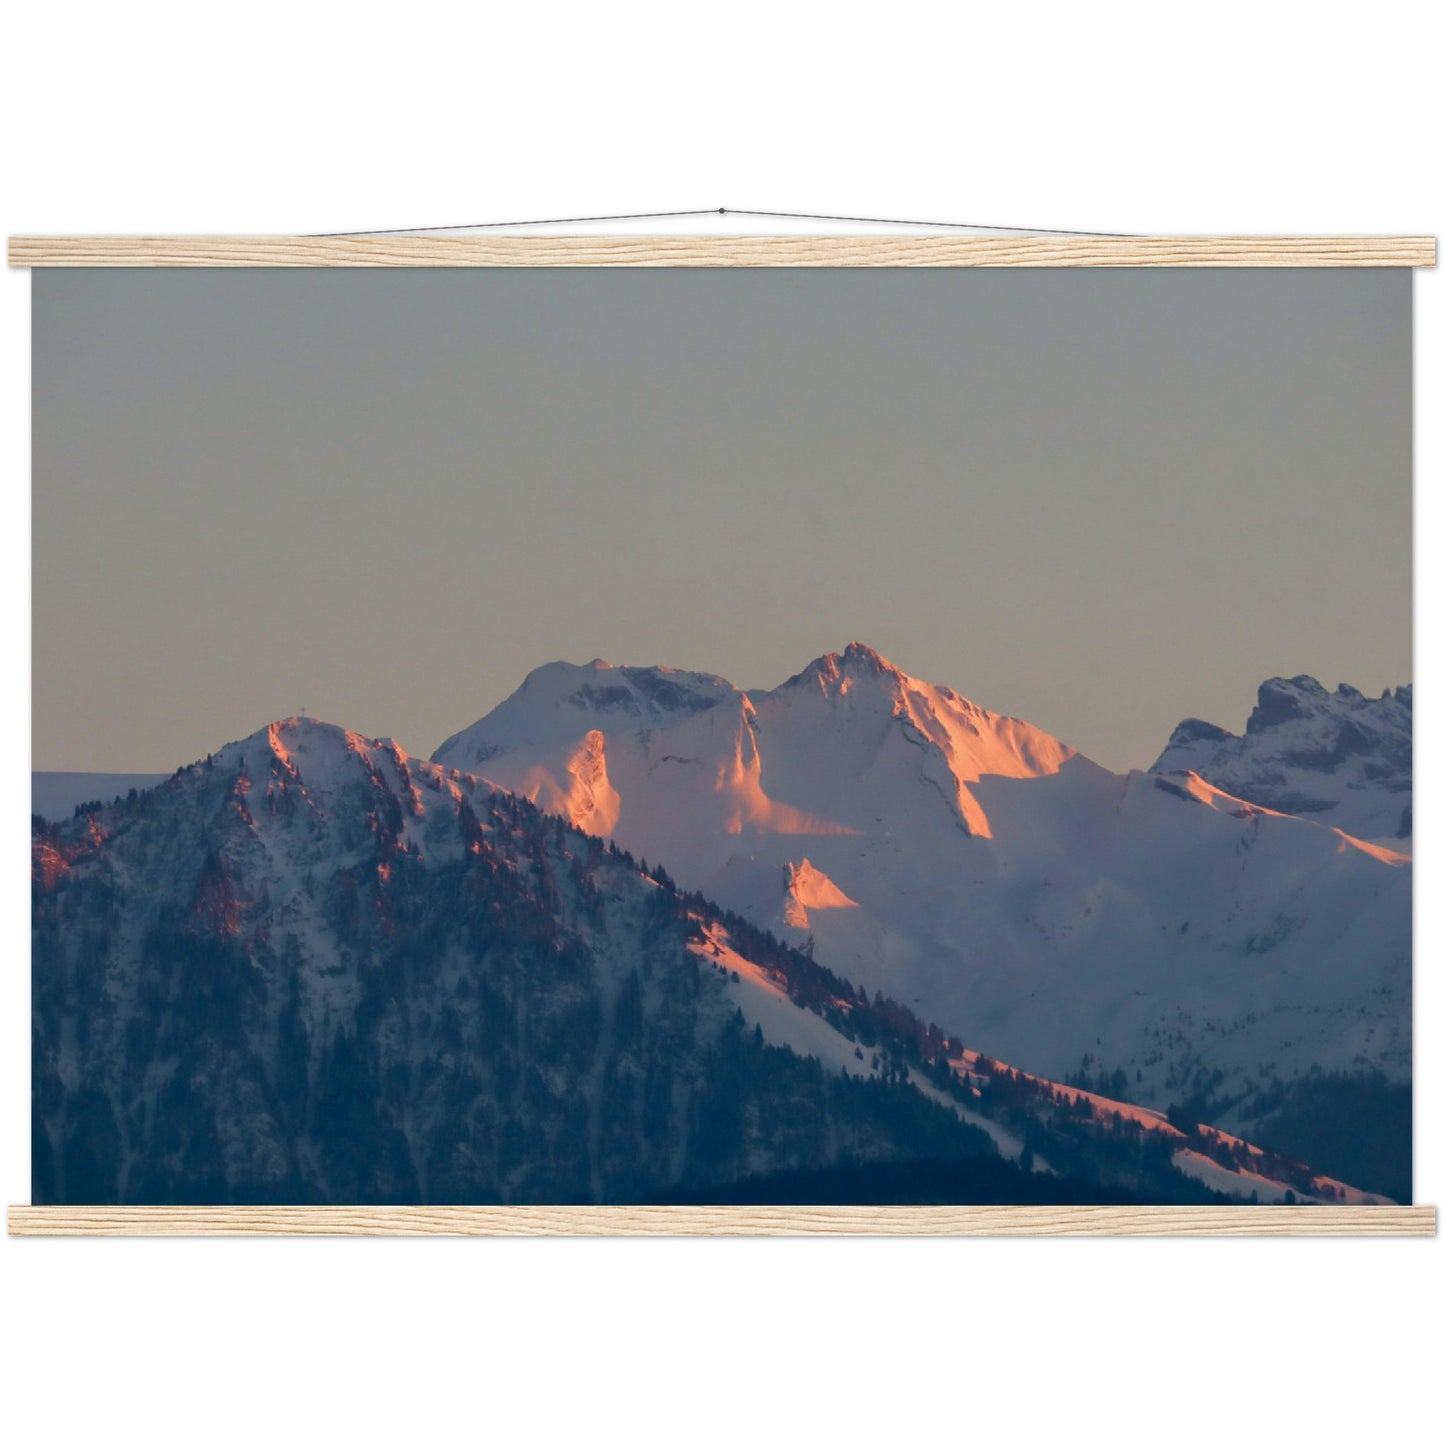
{"x":1102,"y":500}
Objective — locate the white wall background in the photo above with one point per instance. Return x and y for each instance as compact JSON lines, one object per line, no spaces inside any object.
{"x":170,"y":117}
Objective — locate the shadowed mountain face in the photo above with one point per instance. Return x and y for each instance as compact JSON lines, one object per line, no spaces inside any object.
{"x":1339,"y":758}
{"x":1205,"y":946}
{"x":314,"y":969}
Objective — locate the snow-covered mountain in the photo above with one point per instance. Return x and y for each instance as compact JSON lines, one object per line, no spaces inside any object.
{"x":313,"y":968}
{"x":1339,"y":758}
{"x":1211,"y":950}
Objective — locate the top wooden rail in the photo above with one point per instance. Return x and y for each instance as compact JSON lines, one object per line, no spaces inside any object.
{"x":907,"y":250}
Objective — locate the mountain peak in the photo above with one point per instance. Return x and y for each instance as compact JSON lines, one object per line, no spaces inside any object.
{"x":1282,"y":699}
{"x":1196,"y":730}
{"x":859,"y":654}
{"x":561,"y":702}
{"x":856,"y":660}
{"x":289,"y":735}
{"x":1340,"y":757}
{"x":1286,"y":699}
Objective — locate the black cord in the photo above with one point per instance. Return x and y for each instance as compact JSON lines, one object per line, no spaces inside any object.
{"x":719,"y":211}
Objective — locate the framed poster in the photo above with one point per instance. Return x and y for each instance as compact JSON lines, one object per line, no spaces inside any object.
{"x":724,"y":735}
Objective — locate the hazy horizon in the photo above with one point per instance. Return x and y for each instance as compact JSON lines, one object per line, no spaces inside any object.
{"x":1235,"y":722}
{"x":1099,"y":500}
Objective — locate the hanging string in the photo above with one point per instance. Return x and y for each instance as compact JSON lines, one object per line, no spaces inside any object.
{"x":885,"y":221}
{"x":718,"y":211}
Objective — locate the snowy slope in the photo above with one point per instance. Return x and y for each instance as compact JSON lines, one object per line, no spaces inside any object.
{"x":994,"y":879}
{"x":1034,"y":1106}
{"x":331,"y":970}
{"x":1339,"y":758}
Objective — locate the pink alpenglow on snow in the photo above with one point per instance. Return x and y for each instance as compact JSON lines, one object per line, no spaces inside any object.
{"x":983,"y":871}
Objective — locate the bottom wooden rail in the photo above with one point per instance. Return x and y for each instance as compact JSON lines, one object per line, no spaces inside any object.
{"x":803,"y":1220}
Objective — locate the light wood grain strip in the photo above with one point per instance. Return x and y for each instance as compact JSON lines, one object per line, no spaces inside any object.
{"x":722,"y":251}
{"x":993,"y":1220}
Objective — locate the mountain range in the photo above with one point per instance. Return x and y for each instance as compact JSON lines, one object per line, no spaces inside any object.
{"x":1079,"y":923}
{"x":882,"y":930}
{"x":1338,"y":758}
